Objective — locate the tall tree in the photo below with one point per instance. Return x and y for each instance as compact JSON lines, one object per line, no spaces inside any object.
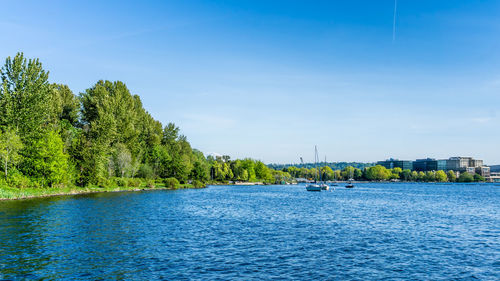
{"x":10,"y":145}
{"x":24,"y":98}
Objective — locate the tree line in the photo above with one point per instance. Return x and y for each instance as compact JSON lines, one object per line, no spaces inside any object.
{"x":103,"y":136}
{"x":380,"y":173}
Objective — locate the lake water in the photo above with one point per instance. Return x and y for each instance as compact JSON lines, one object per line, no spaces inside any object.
{"x":374,"y":231}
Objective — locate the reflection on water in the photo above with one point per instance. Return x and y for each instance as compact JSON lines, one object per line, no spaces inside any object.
{"x":375,"y":231}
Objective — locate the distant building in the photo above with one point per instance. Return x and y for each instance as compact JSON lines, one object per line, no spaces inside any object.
{"x":456,"y":164}
{"x":395,"y":163}
{"x":462,"y":163}
{"x":429,"y":164}
{"x":494,"y":177}
{"x":483,"y":171}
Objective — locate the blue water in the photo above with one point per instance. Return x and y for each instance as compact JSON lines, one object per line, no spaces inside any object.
{"x":375,"y":231}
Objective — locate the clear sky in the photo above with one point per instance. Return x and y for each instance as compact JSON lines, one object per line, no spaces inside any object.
{"x":271,"y":79}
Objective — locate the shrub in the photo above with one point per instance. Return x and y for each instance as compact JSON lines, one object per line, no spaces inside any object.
{"x":134,"y":182}
{"x":104,"y":182}
{"x":18,"y":180}
{"x":198,"y":184}
{"x":145,"y":171}
{"x":121,"y":181}
{"x":150,"y":183}
{"x":171,"y":183}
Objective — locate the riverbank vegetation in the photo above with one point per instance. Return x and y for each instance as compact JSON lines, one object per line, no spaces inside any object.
{"x":380,"y":173}
{"x":52,"y":139}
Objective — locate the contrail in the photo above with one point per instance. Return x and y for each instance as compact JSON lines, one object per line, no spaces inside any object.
{"x":394,"y":23}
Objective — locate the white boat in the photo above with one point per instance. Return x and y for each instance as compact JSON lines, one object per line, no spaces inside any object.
{"x":349,"y":183}
{"x":314,"y":186}
{"x":324,"y":186}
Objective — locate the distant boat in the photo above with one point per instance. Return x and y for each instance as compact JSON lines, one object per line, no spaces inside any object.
{"x":334,"y":179}
{"x":349,"y":183}
{"x":314,"y":186}
{"x":323,"y":185}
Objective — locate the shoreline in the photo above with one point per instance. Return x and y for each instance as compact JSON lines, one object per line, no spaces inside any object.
{"x":21,"y":195}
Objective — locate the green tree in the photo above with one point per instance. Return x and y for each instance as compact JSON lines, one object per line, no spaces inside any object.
{"x":452,"y":177}
{"x":262,"y":172}
{"x":465,"y":177}
{"x":478,"y":178}
{"x":441,"y":176}
{"x":64,"y":105}
{"x":10,"y":145}
{"x":122,"y":160}
{"x":430,"y":176}
{"x":199,"y":172}
{"x":406,"y":175}
{"x":48,"y":163}
{"x":377,"y":172}
{"x":24,"y":96}
{"x":414,"y":176}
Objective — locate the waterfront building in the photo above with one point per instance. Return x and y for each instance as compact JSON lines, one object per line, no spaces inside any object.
{"x":429,"y":164}
{"x":396,"y":163}
{"x":494,"y":177}
{"x":462,"y":163}
{"x":457,"y":164}
{"x":483,"y":171}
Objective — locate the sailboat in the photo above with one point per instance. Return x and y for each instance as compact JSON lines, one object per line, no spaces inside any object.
{"x":334,"y":179}
{"x":349,"y":183}
{"x":323,"y":185}
{"x":314,"y":186}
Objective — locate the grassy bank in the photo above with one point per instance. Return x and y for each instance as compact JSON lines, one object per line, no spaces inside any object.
{"x":13,"y":193}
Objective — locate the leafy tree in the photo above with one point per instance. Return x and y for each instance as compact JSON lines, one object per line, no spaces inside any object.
{"x":452,"y":177}
{"x":377,"y":173}
{"x":24,"y":96}
{"x":10,"y":145}
{"x":199,"y":172}
{"x":48,"y":163}
{"x":64,"y":105}
{"x":430,"y":176}
{"x":414,"y":176}
{"x":406,"y":175}
{"x":122,"y":160}
{"x":262,"y":172}
{"x":441,"y":176}
{"x":358,"y":174}
{"x":478,"y":178}
{"x":465,"y":177}
{"x":421,"y":176}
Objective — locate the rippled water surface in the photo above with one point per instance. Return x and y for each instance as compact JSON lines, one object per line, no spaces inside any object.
{"x":375,"y":231}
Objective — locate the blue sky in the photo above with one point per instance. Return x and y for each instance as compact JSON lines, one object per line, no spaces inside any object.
{"x":271,"y":79}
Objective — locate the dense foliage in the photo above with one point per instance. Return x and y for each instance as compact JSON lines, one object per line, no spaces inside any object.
{"x":103,"y":136}
{"x":379,"y":173}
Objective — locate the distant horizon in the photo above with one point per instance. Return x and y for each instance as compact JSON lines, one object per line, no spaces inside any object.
{"x":270,"y":79}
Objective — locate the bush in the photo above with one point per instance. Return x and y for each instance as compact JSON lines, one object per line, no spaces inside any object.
{"x":198,"y":184}
{"x":171,"y":183}
{"x":145,"y":171}
{"x":104,"y":182}
{"x":121,"y":181}
{"x":150,"y":183}
{"x":18,"y":180}
{"x":134,"y":182}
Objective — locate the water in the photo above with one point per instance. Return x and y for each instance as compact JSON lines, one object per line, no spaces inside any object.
{"x":375,"y":231}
